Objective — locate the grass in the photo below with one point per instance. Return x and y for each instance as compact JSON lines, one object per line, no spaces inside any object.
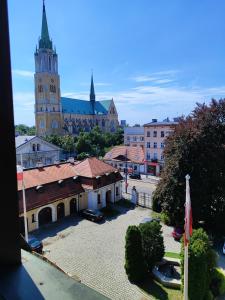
{"x":109,"y":211}
{"x":158,"y":291}
{"x":172,"y":255}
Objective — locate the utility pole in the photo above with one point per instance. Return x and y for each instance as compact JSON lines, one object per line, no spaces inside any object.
{"x":126,"y":184}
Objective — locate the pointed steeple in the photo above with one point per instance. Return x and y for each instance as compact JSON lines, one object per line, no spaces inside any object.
{"x":92,"y":90}
{"x":45,"y":41}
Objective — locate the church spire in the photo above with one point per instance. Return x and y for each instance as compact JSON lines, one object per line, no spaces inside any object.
{"x":44,"y":41}
{"x":92,"y":90}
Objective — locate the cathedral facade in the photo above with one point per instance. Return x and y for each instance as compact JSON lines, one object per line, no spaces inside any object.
{"x":60,"y":115}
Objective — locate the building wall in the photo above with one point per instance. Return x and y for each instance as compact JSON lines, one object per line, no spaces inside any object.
{"x":121,"y":165}
{"x":134,"y":136}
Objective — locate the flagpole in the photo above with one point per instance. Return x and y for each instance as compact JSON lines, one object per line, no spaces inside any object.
{"x":187,"y":236}
{"x":24,"y":203}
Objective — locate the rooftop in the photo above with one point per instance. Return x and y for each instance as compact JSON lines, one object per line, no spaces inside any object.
{"x":92,"y":167}
{"x":134,"y":154}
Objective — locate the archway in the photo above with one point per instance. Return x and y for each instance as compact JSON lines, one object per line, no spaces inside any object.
{"x":45,"y":216}
{"x":73,"y":206}
{"x":60,"y":211}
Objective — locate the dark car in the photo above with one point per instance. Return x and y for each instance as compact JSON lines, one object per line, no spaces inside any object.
{"x":135,"y":176}
{"x":146,"y":220}
{"x":35,"y":244}
{"x":177,"y":233}
{"x":92,"y":214}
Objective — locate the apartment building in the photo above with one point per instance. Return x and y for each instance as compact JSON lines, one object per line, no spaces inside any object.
{"x":155,"y":134}
{"x":134,"y":136}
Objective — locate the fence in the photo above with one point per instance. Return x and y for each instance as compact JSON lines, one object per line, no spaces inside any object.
{"x":144,"y":199}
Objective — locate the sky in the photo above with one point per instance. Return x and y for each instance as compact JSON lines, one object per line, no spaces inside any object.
{"x":156,"y":59}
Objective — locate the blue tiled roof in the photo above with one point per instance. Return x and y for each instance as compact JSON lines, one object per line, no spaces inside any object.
{"x":83,"y":107}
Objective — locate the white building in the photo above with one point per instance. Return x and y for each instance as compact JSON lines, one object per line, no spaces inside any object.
{"x":134,"y":136}
{"x":34,"y":150}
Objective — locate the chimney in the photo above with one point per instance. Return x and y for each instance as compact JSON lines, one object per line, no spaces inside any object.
{"x":154,"y":120}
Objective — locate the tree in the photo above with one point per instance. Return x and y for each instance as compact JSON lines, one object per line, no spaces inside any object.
{"x":152,"y":243}
{"x":197,"y":147}
{"x":134,"y":262}
{"x":25,"y":130}
{"x":202,"y":261}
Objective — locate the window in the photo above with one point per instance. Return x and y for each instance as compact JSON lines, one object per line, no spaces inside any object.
{"x":148,"y":156}
{"x":162,"y":134}
{"x":42,"y":124}
{"x":135,"y":138}
{"x":33,"y":218}
{"x":162,"y":157}
{"x":148,"y":145}
{"x":99,"y":199}
{"x":162,"y":145}
{"x":155,"y":156}
{"x":53,"y":108}
{"x":128,"y":138}
{"x":117,"y":191}
{"x":142,"y":138}
{"x":155,"y":145}
{"x":154,"y":133}
{"x":34,"y":147}
{"x":148,"y":133}
{"x":38,"y":147}
{"x":54,"y":124}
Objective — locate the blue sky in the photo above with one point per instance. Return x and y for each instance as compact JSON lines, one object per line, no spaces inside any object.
{"x":155,"y":58}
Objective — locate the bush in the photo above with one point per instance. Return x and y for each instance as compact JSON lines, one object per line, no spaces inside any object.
{"x":152,"y":243}
{"x":217,"y":285}
{"x":134,"y":262}
{"x":165,"y":218}
{"x":201,"y":263}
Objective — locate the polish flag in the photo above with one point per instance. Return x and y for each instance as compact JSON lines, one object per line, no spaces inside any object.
{"x":188,"y":214}
{"x":19,"y":173}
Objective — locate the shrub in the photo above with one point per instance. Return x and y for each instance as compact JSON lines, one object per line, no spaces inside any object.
{"x":152,"y":243}
{"x":217,"y":285}
{"x":134,"y":262}
{"x":201,"y":263}
{"x":165,"y":218}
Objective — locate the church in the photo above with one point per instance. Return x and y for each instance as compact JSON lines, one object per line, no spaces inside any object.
{"x":61,"y":115}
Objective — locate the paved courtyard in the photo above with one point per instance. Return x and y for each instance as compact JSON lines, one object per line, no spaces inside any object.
{"x":95,"y":252}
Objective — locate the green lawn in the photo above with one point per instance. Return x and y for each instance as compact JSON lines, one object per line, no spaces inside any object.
{"x":158,"y":291}
{"x":172,"y":255}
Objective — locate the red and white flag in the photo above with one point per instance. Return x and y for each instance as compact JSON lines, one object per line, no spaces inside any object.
{"x":188,"y":214}
{"x":19,"y":173}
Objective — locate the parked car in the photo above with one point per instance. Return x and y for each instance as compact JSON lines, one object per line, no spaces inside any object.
{"x":93,"y":215}
{"x":224,"y":248}
{"x":177,"y":233}
{"x":146,"y":220}
{"x":135,"y":176}
{"x":35,"y":244}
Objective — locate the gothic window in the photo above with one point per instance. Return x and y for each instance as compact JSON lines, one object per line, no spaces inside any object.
{"x":40,"y":88}
{"x":103,"y":123}
{"x":49,"y":62}
{"x":34,"y":147}
{"x":54,"y":124}
{"x":38,"y":147}
{"x":42,"y":124}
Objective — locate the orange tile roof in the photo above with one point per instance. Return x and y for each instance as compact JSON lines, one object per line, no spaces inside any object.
{"x":134,"y":154}
{"x":92,"y":167}
{"x":47,"y":174}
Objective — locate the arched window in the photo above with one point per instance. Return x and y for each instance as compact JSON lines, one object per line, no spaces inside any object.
{"x":38,"y":147}
{"x":34,"y":147}
{"x":55,"y":124}
{"x":42,"y":124}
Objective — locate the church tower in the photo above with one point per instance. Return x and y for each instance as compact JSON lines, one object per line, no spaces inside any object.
{"x":48,"y":111}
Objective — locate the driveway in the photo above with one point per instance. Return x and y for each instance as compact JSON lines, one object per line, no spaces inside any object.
{"x":95,"y":252}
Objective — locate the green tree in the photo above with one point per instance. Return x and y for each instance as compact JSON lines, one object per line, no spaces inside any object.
{"x":25,"y":130}
{"x":202,"y":261}
{"x":196,"y":148}
{"x":152,"y":243}
{"x":134,"y":262}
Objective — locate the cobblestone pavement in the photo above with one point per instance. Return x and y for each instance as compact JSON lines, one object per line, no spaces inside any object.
{"x":95,"y":252}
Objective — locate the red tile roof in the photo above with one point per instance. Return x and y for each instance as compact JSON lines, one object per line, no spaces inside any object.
{"x":92,"y":167}
{"x":134,"y":154}
{"x":47,"y":174}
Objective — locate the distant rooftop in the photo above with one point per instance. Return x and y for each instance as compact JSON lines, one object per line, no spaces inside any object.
{"x":22,"y":139}
{"x":165,"y":122}
{"x":134,"y":130}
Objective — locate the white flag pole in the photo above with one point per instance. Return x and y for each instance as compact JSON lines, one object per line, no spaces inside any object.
{"x":187,"y":236}
{"x":24,"y":203}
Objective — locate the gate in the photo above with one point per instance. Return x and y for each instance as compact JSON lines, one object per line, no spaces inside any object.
{"x":145,"y":200}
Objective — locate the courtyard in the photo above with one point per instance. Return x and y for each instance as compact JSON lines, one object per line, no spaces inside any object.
{"x":95,"y":252}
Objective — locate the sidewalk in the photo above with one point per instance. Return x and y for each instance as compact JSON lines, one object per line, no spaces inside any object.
{"x":150,"y":178}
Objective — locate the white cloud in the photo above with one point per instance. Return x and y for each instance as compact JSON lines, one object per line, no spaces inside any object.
{"x":23,"y":73}
{"x":161,"y":77}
